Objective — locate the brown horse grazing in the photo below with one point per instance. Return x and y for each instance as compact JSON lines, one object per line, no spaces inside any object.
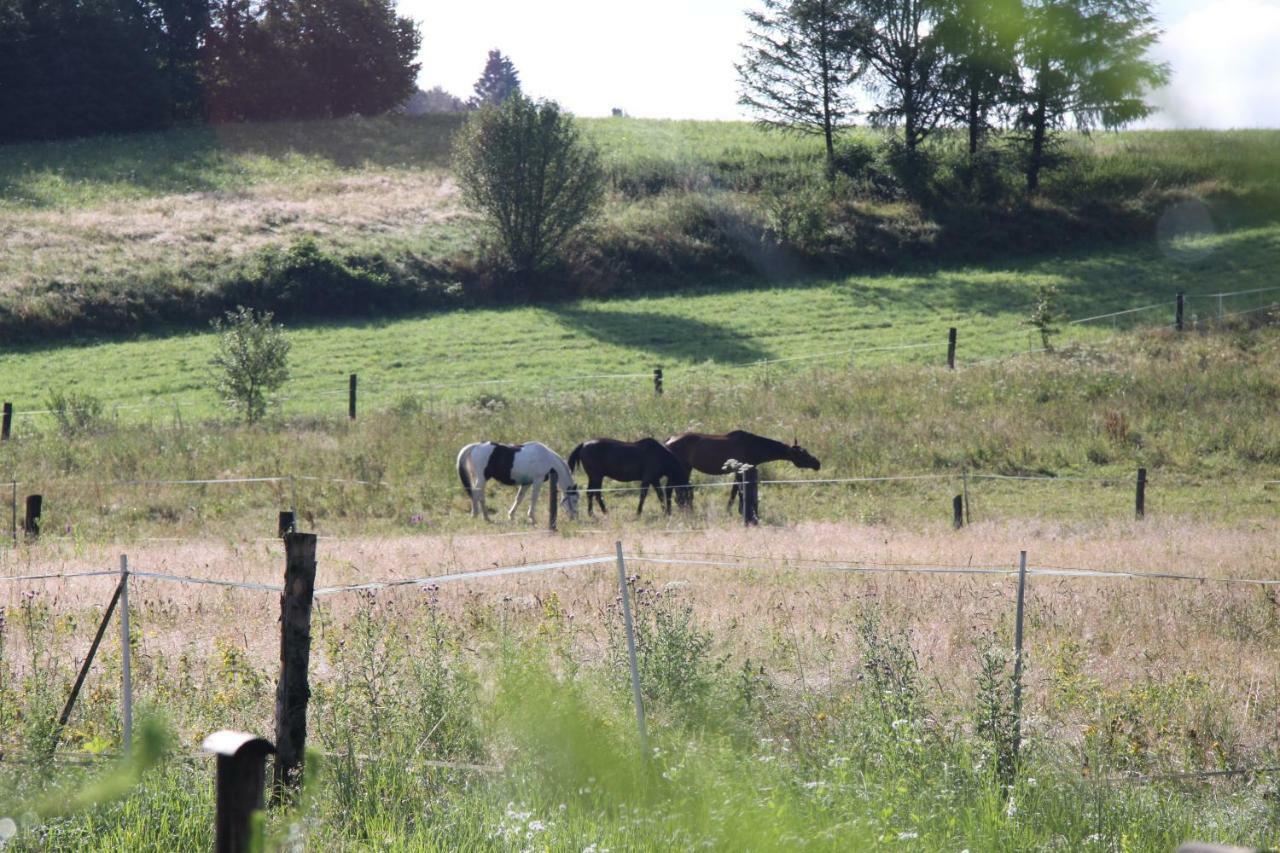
{"x":645,"y":460}
{"x":709,"y":453}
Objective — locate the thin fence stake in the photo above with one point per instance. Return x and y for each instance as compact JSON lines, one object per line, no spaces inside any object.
{"x":951,"y":348}
{"x":964,"y":490}
{"x":6,"y":422}
{"x":1017,"y":657}
{"x":1140,"y":495}
{"x":84,"y":667}
{"x":351,"y":397}
{"x":1178,"y":310}
{"x":631,"y":651}
{"x":126,"y":676}
{"x":13,"y":509}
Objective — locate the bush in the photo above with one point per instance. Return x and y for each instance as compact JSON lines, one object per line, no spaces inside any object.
{"x":524,"y":166}
{"x":252,"y":360}
{"x":76,"y":413}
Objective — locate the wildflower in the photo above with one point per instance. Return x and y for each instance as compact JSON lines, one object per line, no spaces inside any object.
{"x":1012,"y":809}
{"x":907,"y":836}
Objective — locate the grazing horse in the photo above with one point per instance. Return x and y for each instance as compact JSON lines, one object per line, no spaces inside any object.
{"x":520,"y":465}
{"x":646,"y":460}
{"x":709,"y":453}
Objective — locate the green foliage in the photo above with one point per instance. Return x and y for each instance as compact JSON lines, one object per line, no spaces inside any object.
{"x":672,"y":653}
{"x":497,"y":82}
{"x":1045,"y":313}
{"x":996,"y":724}
{"x":76,"y":412}
{"x":524,"y":165}
{"x":251,"y":361}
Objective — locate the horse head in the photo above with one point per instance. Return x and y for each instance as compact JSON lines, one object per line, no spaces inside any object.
{"x":802,"y":458}
{"x":570,"y":500}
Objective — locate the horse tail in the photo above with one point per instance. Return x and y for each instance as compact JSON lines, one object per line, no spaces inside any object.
{"x":464,"y":459}
{"x":573,"y":457}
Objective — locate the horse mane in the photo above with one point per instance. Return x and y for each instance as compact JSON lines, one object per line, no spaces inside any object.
{"x":772,"y":445}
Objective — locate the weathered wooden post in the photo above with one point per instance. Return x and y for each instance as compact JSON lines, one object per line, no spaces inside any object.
{"x":351,"y":397}
{"x":957,"y":512}
{"x":657,"y":381}
{"x":6,"y":422}
{"x":1140,"y":495}
{"x":1178,"y":310}
{"x":31,"y":523}
{"x":951,"y":348}
{"x":293,"y":690}
{"x":751,"y":496}
{"x":242,"y":762}
{"x":554,"y":509}
{"x":285,"y":523}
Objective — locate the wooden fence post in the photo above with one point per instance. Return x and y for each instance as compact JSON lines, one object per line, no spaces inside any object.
{"x":293,"y":690}
{"x":31,"y":523}
{"x":1140,"y":495}
{"x":951,"y":349}
{"x":351,"y":397}
{"x":554,"y":509}
{"x":6,"y":422}
{"x":242,"y":762}
{"x":657,"y":381}
{"x":1178,"y":310}
{"x":957,"y":512}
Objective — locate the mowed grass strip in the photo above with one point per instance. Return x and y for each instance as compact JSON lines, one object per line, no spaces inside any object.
{"x":695,"y":337}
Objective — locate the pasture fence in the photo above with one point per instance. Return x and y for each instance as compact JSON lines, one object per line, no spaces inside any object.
{"x":1177,"y":319}
{"x":241,"y":757}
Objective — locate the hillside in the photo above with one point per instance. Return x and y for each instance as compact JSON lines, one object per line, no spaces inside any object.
{"x":144,"y":232}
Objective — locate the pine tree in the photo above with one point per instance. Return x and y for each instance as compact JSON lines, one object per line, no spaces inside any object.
{"x":1085,"y":62}
{"x":798,"y":67}
{"x":497,"y":82}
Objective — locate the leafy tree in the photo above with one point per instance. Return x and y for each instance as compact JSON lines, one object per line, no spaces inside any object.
{"x":497,"y":82}
{"x":1085,"y":62}
{"x":252,"y":360}
{"x":979,"y":38}
{"x":798,"y":67}
{"x":525,"y":167}
{"x":899,"y":42}
{"x":435,"y":100}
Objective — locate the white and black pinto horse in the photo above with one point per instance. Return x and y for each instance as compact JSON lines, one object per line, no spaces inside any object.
{"x":522,"y":465}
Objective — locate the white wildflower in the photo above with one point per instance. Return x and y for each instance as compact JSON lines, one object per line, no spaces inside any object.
{"x":907,"y":836}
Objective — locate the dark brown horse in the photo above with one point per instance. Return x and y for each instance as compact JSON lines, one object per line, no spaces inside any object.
{"x":709,"y":453}
{"x":645,"y":460}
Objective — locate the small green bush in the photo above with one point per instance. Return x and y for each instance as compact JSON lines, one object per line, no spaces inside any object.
{"x":76,"y":412}
{"x":251,"y":362}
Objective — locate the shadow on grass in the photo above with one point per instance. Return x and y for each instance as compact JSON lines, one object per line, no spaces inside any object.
{"x":663,"y":335}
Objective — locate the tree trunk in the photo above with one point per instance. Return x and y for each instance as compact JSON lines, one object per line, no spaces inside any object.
{"x":975,"y":123}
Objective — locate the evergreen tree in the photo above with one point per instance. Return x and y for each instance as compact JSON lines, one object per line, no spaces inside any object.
{"x":497,"y":82}
{"x":980,"y":39}
{"x":1084,"y":62}
{"x":900,"y":44}
{"x":798,"y":67}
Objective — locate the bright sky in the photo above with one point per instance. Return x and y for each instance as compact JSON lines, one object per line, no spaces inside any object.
{"x":674,"y":58}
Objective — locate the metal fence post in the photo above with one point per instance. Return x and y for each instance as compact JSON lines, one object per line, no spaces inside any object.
{"x":1017,"y":657}
{"x":631,"y":650}
{"x":126,"y":675}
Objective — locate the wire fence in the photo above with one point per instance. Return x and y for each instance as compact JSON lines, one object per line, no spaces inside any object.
{"x":1203,"y":308}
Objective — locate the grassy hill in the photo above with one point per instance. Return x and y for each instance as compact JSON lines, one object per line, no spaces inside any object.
{"x":155,"y":231}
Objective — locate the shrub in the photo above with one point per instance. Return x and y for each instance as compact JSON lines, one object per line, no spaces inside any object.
{"x":76,"y":413}
{"x":524,"y":166}
{"x":252,"y":360}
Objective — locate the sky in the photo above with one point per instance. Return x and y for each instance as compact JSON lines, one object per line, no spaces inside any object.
{"x":674,"y":59}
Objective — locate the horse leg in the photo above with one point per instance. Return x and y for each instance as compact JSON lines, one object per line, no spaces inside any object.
{"x":593,"y":493}
{"x":600,"y":495}
{"x":667,"y":494}
{"x":511,"y":513}
{"x":733,"y":493}
{"x":533,"y":499}
{"x":644,"y":491}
